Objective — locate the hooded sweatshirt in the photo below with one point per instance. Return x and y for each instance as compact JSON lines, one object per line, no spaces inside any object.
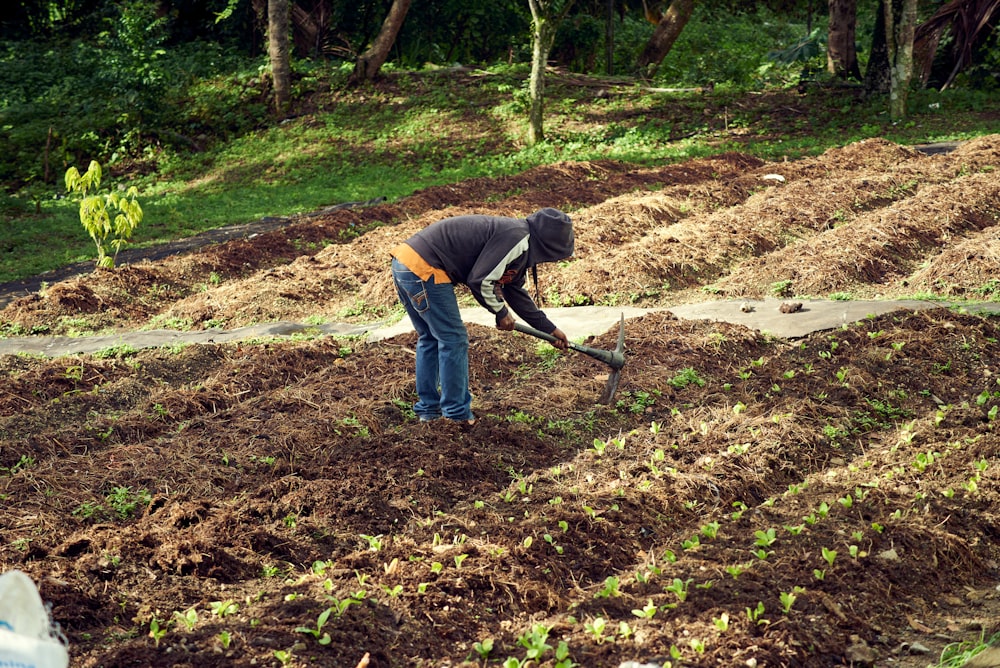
{"x":491,"y":255}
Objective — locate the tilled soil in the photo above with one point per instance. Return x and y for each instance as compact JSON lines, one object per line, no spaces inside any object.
{"x":744,"y":500}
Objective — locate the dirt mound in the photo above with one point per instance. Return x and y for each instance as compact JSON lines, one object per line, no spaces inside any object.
{"x":745,"y":500}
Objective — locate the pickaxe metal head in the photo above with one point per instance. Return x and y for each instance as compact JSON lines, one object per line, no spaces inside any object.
{"x":613,"y":358}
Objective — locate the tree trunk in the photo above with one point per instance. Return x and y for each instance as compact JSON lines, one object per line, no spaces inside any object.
{"x":877,"y":74}
{"x":666,"y":33}
{"x":900,"y":26}
{"x":544,"y":22}
{"x":368,"y":64}
{"x":841,"y":53}
{"x":278,"y":53}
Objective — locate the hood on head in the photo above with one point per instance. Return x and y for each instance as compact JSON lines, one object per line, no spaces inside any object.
{"x":551,"y":236}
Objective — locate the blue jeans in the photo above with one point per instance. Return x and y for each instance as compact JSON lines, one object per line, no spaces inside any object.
{"x":442,"y":346}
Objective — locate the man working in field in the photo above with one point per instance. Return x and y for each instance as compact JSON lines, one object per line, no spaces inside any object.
{"x":491,"y":255}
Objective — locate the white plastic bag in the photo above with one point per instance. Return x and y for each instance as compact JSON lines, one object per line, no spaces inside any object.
{"x":26,"y":633}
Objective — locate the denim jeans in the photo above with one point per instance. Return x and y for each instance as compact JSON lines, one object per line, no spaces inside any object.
{"x":442,"y":346}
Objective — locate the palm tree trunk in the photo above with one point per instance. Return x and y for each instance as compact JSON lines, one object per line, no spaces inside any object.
{"x":278,"y":53}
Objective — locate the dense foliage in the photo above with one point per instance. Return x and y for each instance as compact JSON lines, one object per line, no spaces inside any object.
{"x":133,"y":83}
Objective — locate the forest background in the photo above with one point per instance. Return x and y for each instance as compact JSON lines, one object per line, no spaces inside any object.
{"x":178,"y":98}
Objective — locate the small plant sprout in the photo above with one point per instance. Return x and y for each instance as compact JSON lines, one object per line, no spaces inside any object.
{"x":819,"y":574}
{"x":563,"y":659}
{"x":722,"y":622}
{"x":317,"y":632}
{"x":829,"y":556}
{"x":737,"y":570}
{"x":483,"y":648}
{"x":853,"y":551}
{"x":459,"y":558}
{"x":795,"y":530}
{"x":765,"y":538}
{"x":647,"y":611}
{"x":374,"y":542}
{"x":624,"y":630}
{"x":156,"y":632}
{"x":755,"y":614}
{"x":823,"y":510}
{"x":761,"y":553}
{"x":188,"y":618}
{"x":788,"y":598}
{"x":710,"y":530}
{"x":846,"y":501}
{"x":599,"y":447}
{"x":225,"y":639}
{"x":551,"y":541}
{"x":669,"y":556}
{"x":284,"y":657}
{"x":679,"y":588}
{"x":858,"y":535}
{"x":595,"y":628}
{"x":223,"y":609}
{"x":610,"y":589}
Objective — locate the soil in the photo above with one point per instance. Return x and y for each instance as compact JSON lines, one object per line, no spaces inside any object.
{"x":745,"y":500}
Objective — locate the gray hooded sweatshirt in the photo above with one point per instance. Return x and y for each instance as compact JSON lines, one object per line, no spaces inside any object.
{"x":492,"y":256}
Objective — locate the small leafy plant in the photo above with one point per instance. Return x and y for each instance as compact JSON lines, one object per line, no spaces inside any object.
{"x":96,"y":212}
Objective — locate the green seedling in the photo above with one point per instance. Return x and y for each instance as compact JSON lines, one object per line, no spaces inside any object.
{"x":761,"y":554}
{"x":595,"y":628}
{"x":317,"y":632}
{"x":535,"y":642}
{"x":374,"y":542}
{"x":483,"y":648}
{"x":691,"y":543}
{"x":788,"y":599}
{"x":647,"y":611}
{"x":679,"y":588}
{"x":710,"y":530}
{"x":722,"y":622}
{"x":819,"y":574}
{"x":156,"y":632}
{"x":765,"y":538}
{"x":222,"y":609}
{"x":755,"y":614}
{"x":225,"y":639}
{"x":846,"y":501}
{"x":284,"y":657}
{"x":188,"y":618}
{"x":551,"y":541}
{"x":610,"y":589}
{"x":829,"y":555}
{"x":459,"y":558}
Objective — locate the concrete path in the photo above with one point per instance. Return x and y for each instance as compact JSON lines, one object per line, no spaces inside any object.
{"x":578,"y":322}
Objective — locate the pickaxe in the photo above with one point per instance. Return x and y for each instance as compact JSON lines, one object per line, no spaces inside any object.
{"x":613,"y":358}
